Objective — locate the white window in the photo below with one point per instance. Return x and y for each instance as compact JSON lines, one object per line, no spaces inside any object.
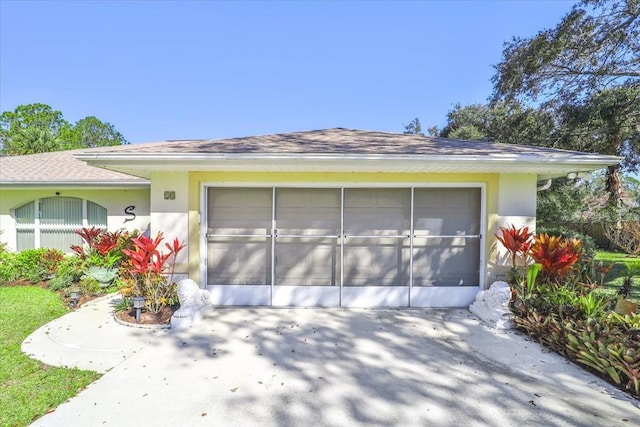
{"x":51,"y":222}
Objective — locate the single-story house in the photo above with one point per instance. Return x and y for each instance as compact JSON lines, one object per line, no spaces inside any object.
{"x":334,"y":217}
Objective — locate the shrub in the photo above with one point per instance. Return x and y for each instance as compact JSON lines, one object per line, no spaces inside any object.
{"x":588,"y":243}
{"x":70,"y":271}
{"x":556,"y":255}
{"x":8,"y":272}
{"x":36,"y":265}
{"x":148,"y":268}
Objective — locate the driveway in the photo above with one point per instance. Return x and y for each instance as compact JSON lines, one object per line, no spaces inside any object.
{"x":340,"y":367}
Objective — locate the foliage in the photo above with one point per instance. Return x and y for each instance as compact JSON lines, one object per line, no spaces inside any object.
{"x":632,"y":269}
{"x":505,"y":123}
{"x":148,"y":268}
{"x":102,"y":248}
{"x":586,"y":71}
{"x":595,"y":45}
{"x":37,"y":128}
{"x":565,"y":311}
{"x":588,"y":244}
{"x":414,"y":127}
{"x":30,"y":389}
{"x":91,"y":132}
{"x":102,"y":275}
{"x":33,"y":265}
{"x":8,"y":271}
{"x":89,"y":286}
{"x":70,"y":270}
{"x":516,"y":241}
{"x":556,"y":255}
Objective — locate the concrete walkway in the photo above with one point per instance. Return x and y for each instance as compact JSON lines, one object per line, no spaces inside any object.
{"x":327,"y":367}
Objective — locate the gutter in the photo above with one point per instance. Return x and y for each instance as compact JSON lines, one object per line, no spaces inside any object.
{"x":84,"y":184}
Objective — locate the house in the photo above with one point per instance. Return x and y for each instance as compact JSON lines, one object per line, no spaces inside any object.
{"x":334,"y":217}
{"x":45,"y":197}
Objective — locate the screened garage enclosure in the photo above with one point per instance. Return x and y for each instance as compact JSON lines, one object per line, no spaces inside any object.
{"x":395,"y":247}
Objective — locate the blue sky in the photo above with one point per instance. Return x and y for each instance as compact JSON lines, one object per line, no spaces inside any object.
{"x":178,"y":70}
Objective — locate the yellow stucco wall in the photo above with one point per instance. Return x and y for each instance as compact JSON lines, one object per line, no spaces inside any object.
{"x":196,"y":179}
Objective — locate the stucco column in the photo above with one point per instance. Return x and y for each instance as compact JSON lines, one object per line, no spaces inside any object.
{"x":516,"y":206}
{"x":170,"y":212}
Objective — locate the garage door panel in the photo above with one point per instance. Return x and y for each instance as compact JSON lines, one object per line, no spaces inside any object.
{"x":380,"y":262}
{"x":239,"y":211}
{"x":308,"y":211}
{"x":307,"y":263}
{"x":239,"y":262}
{"x":446,"y":262}
{"x":377,"y":212}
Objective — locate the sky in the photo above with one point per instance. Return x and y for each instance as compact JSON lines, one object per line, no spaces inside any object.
{"x":161,"y":70}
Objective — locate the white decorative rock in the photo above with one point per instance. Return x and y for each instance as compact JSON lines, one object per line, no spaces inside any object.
{"x":194,"y":301}
{"x":492,"y":306}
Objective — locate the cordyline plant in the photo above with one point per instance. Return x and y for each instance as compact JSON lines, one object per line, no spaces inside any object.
{"x":517,"y":241}
{"x":148,"y":270}
{"x":555,"y":254}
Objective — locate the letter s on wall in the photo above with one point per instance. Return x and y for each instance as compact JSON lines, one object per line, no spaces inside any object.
{"x":129,"y":211}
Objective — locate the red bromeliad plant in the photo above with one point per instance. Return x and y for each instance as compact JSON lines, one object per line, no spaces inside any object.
{"x":556,"y":254}
{"x":148,"y":269}
{"x":517,"y":241}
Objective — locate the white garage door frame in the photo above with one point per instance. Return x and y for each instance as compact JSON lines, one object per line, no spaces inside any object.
{"x":341,"y":295}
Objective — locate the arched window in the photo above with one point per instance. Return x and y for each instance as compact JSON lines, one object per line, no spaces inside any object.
{"x":51,"y":222}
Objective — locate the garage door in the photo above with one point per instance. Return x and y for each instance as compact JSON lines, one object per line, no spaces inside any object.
{"x":343,"y":246}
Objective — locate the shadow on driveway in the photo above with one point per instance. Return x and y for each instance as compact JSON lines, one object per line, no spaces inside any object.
{"x":341,"y":367}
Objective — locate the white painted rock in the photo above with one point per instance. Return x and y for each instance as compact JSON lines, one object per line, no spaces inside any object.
{"x":194,"y":301}
{"x":492,"y":306}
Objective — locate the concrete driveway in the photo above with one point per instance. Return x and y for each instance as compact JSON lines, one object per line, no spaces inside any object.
{"x":329,"y":367}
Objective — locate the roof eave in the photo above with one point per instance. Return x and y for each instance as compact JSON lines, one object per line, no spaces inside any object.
{"x":545,"y":167}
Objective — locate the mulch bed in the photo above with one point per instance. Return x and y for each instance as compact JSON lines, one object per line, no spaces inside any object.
{"x":146,"y":317}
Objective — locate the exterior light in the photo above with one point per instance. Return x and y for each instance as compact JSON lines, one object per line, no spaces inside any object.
{"x":74,"y":294}
{"x":138,"y":303}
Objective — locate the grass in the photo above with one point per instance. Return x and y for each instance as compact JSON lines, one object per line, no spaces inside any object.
{"x":613,"y":279}
{"x":28,"y":388}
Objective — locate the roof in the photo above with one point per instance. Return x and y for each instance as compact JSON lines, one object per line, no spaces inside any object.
{"x":345,"y":150}
{"x":336,"y":140}
{"x":61,"y":168}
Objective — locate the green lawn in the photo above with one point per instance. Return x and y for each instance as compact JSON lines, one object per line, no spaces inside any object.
{"x":28,"y":388}
{"x":613,"y":279}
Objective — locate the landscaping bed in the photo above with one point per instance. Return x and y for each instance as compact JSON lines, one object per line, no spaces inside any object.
{"x":559,"y":298}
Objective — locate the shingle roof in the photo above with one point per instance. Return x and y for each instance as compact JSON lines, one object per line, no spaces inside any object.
{"x":335,"y":141}
{"x":59,"y":167}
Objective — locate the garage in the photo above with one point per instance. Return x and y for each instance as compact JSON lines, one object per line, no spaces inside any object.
{"x":343,"y":246}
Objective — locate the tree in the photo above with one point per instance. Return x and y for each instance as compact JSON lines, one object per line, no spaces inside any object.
{"x":91,"y":132}
{"x":37,"y":128}
{"x":46,"y":120}
{"x":414,"y":127}
{"x":588,"y":62}
{"x":32,"y":140}
{"x":505,"y":123}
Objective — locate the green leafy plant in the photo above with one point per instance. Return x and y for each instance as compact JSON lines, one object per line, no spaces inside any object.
{"x":632,"y":269}
{"x":8,"y":270}
{"x":89,"y":286}
{"x":103,"y":275}
{"x":70,"y":270}
{"x":532,"y":273}
{"x":151,"y":271}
